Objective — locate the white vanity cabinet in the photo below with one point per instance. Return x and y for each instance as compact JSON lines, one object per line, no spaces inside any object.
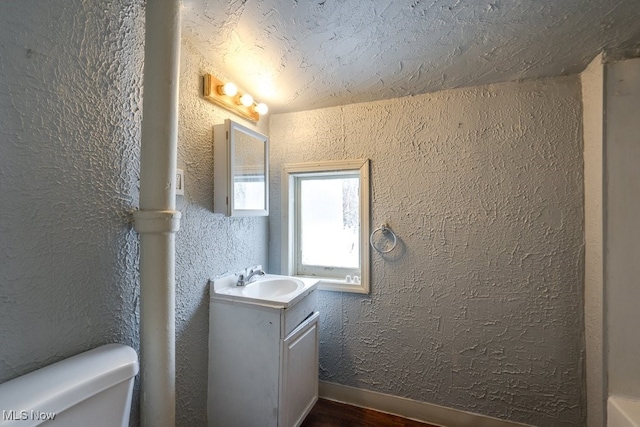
{"x":263,"y":363}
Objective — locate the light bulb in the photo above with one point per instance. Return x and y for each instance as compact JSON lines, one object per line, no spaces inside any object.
{"x":246,"y":100}
{"x":261,"y":108}
{"x":228,"y":89}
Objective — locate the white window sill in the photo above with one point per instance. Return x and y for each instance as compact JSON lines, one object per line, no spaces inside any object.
{"x":338,"y":285}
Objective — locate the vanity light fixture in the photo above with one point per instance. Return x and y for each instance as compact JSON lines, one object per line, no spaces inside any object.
{"x":227,"y":95}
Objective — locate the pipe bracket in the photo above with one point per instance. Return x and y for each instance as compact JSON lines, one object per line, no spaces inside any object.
{"x":156,"y":221}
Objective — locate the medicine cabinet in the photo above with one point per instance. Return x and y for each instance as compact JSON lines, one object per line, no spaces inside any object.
{"x":241,"y":170}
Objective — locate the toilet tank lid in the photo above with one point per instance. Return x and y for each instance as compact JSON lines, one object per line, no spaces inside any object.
{"x":64,"y":384}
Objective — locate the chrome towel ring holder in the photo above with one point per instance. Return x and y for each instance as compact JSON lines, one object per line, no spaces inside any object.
{"x":384,"y":229}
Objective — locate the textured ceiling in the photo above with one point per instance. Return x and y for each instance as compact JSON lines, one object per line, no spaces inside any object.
{"x":298,"y":55}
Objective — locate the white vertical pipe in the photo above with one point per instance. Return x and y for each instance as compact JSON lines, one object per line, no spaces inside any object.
{"x":157,"y":220}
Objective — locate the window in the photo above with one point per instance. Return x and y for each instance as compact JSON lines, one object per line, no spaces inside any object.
{"x":325,"y":224}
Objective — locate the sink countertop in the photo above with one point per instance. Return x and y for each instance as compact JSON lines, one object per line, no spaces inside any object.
{"x":225,"y":289}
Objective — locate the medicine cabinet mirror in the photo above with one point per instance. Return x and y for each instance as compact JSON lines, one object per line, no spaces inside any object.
{"x":241,"y":170}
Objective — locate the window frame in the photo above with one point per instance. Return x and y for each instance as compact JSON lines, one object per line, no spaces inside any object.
{"x":290,"y":174}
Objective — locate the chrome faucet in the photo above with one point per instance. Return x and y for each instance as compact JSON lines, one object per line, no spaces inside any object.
{"x":245,"y":280}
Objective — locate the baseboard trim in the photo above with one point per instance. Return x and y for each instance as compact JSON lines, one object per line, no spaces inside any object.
{"x":407,"y":408}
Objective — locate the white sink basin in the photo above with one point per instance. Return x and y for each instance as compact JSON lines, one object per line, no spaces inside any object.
{"x":272,"y":287}
{"x":268,"y":290}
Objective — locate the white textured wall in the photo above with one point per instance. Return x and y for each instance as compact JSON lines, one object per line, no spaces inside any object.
{"x":70,"y":113}
{"x":480,"y":307}
{"x":592,"y":80}
{"x":622,"y":242}
{"x":207,"y":244}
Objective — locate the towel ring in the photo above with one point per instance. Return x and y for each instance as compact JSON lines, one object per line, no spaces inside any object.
{"x":384,"y":229}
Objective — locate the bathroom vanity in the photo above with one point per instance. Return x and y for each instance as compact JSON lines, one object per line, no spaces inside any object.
{"x":263,"y":351}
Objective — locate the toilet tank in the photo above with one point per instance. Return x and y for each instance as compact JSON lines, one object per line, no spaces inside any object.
{"x":90,"y":389}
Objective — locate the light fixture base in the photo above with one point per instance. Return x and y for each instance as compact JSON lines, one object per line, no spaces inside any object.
{"x":211,"y":84}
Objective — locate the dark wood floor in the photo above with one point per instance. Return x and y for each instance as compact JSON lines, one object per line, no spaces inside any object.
{"x":327,"y":413}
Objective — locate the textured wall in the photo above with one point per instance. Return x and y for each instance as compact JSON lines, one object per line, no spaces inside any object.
{"x":622,"y":238}
{"x":70,"y":113}
{"x":592,"y":80}
{"x":207,"y":244}
{"x":480,"y":307}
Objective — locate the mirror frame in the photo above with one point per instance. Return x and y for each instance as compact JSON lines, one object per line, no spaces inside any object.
{"x":224,"y":169}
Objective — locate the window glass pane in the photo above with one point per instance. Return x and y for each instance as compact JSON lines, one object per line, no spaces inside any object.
{"x":329,"y":221}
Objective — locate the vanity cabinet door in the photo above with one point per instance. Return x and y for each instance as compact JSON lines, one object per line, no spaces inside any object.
{"x":299,"y":386}
{"x":241,"y":170}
